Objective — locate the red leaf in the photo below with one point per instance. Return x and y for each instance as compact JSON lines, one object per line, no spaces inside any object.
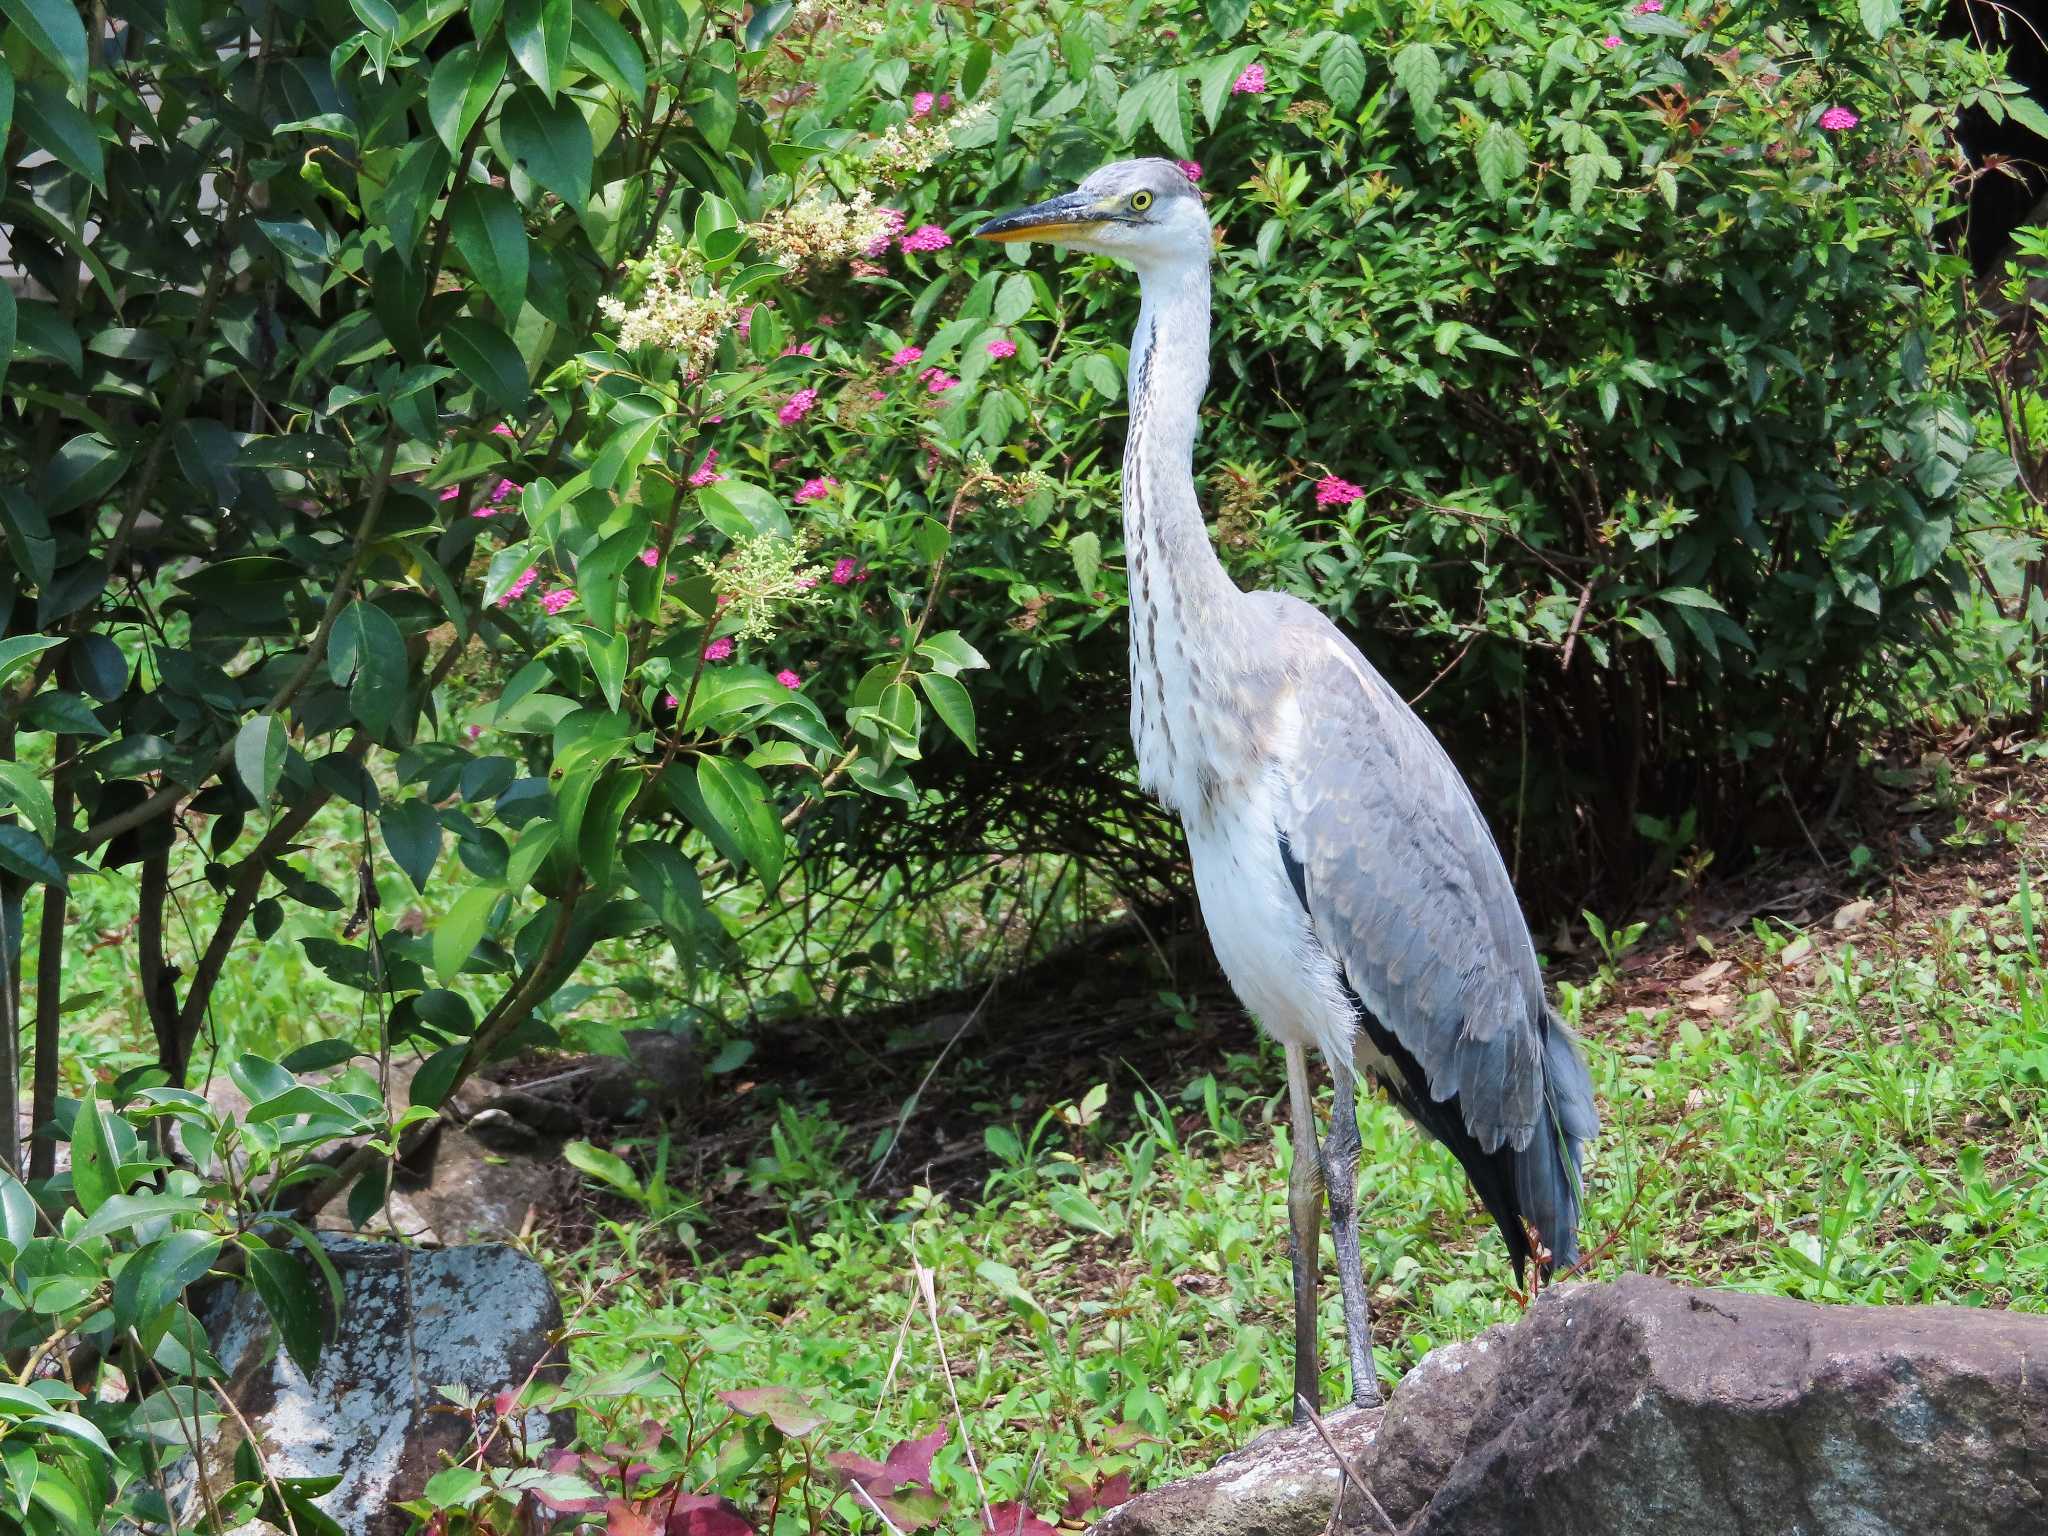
{"x":1105,"y":1494}
{"x":911,"y":1460}
{"x":858,"y":1469}
{"x":699,"y":1514}
{"x":784,"y":1407}
{"x":1016,"y":1520}
{"x":623,"y":1519}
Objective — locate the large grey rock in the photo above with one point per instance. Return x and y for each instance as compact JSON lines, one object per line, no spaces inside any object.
{"x":478,"y":1319}
{"x":1644,"y":1409}
{"x":1284,"y":1483}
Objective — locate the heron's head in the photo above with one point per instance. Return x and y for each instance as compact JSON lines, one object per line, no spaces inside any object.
{"x":1143,"y":212}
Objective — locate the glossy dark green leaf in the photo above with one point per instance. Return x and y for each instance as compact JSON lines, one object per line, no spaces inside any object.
{"x":366,"y":654}
{"x":550,"y":142}
{"x":490,"y":232}
{"x":27,"y":533}
{"x":486,"y":356}
{"x":259,"y":755}
{"x":95,"y":664}
{"x":78,"y":473}
{"x":457,"y":935}
{"x":287,"y":1290}
{"x":68,"y":713}
{"x":7,"y":323}
{"x":737,"y":797}
{"x":54,"y":29}
{"x":413,"y":834}
{"x":54,"y":124}
{"x":95,"y":1168}
{"x":605,"y":48}
{"x":29,"y":857}
{"x":436,"y":1076}
{"x":408,"y":199}
{"x":460,"y":90}
{"x":539,"y":33}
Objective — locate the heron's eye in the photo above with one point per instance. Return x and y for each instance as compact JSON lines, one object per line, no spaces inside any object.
{"x":1140,"y":201}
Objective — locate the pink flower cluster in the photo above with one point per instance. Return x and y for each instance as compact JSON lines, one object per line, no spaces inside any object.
{"x":650,"y":557}
{"x":707,"y":472}
{"x":922,"y":103}
{"x":904,"y":357}
{"x":520,"y":586}
{"x":1189,"y":169}
{"x":718,"y":649}
{"x":937,"y":380}
{"x":817,"y":488}
{"x":1332,"y":492}
{"x":1251,"y":83}
{"x":797,"y":407}
{"x":843,"y":570}
{"x":789,"y":679}
{"x":1002,"y":346}
{"x":879,"y":246}
{"x":926,"y":237}
{"x":1647,"y":7}
{"x":800,"y":349}
{"x":1838,"y":120}
{"x":745,"y":324}
{"x":555,"y":601}
{"x":1610,"y":41}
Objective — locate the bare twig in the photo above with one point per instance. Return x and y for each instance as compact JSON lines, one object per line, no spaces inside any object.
{"x":1351,"y":1474}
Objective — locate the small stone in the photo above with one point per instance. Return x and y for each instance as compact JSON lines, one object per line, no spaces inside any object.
{"x":1851,"y":914}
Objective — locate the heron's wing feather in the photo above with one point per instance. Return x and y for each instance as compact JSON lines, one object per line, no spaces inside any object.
{"x":1406,"y":889}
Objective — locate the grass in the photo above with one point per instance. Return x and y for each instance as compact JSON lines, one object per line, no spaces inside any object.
{"x":1855,"y":1118}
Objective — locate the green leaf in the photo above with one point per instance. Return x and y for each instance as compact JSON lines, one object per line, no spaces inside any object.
{"x":1085,"y":550}
{"x":1502,"y":157}
{"x":7,"y":307}
{"x":950,"y":654}
{"x":20,"y":788}
{"x":79,"y":473}
{"x":739,"y":510}
{"x":436,"y":1076}
{"x":161,"y":1272}
{"x":17,"y":1212}
{"x":1689,"y":597}
{"x":1227,"y":16}
{"x":457,"y":935}
{"x":292,"y":1299}
{"x":460,"y":89}
{"x":1344,"y":72}
{"x":17,"y":652}
{"x":606,"y":1167}
{"x":54,"y":29}
{"x":259,"y":755}
{"x":95,"y":1168}
{"x":412,"y":831}
{"x":486,"y":356}
{"x":539,"y":32}
{"x":378,"y":16}
{"x":608,"y":51}
{"x":950,"y":702}
{"x":366,"y":653}
{"x":2027,"y":112}
{"x":1419,"y":72}
{"x":490,"y":232}
{"x":30,"y":857}
{"x":1879,"y":16}
{"x":120,"y":1212}
{"x":550,"y":142}
{"x":738,"y":798}
{"x":667,"y":882}
{"x":406,"y":203}
{"x":1077,"y":1210}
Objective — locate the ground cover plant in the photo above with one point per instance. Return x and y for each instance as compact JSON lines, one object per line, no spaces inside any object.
{"x":520,"y":519}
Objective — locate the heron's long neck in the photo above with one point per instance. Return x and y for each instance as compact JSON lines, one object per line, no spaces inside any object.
{"x":1165,"y":542}
{"x":1185,"y":716}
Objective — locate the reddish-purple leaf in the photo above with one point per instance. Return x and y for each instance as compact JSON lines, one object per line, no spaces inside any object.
{"x":699,"y":1514}
{"x":784,"y":1407}
{"x":911,"y":1460}
{"x":1104,"y":1494}
{"x":1017,"y":1520}
{"x":624,"y":1519}
{"x":858,"y":1469}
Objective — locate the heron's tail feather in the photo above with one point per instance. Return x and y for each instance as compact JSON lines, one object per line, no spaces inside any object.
{"x":1547,"y":1173}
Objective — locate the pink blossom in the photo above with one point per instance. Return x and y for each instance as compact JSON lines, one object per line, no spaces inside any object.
{"x":670,"y":701}
{"x":1610,"y":41}
{"x":473,"y":731}
{"x":650,"y":557}
{"x":922,"y":103}
{"x":451,"y":493}
{"x":1332,"y":492}
{"x":1002,"y":346}
{"x":789,"y":679}
{"x":503,"y":429}
{"x":937,"y":380}
{"x":714,"y":420}
{"x":861,"y":574}
{"x":487,"y":511}
{"x":842,"y":570}
{"x":1189,"y":169}
{"x":805,"y":582}
{"x":817,"y":488}
{"x":926,"y":237}
{"x":745,"y":324}
{"x":505,"y":488}
{"x":797,"y":407}
{"x":718,"y":649}
{"x":876,"y":394}
{"x":945,"y":101}
{"x":904,"y":357}
{"x":800,"y":349}
{"x":1838,"y":120}
{"x":518,"y":589}
{"x":879,"y":246}
{"x":1251,"y":83}
{"x":558,"y":599}
{"x":1647,"y":7}
{"x":706,"y":473}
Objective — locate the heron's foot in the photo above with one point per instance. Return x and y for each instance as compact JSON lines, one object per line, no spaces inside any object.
{"x":1367,"y":1395}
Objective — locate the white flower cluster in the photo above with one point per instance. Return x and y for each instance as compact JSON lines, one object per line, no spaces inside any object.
{"x":670,"y":311}
{"x":914,"y":145}
{"x":815,"y":233}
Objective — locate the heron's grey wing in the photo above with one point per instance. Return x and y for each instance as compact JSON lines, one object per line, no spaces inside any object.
{"x":1406,"y":889}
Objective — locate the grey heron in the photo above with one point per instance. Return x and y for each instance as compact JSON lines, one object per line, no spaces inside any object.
{"x":1352,"y":890}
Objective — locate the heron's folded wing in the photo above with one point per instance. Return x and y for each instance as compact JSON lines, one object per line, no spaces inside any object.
{"x":1405,"y":887}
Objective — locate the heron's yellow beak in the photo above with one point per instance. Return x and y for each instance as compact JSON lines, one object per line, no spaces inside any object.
{"x":1066,"y":217}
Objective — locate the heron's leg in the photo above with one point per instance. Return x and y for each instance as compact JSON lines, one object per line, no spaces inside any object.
{"x":1305,"y":1231}
{"x":1340,"y":1177}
